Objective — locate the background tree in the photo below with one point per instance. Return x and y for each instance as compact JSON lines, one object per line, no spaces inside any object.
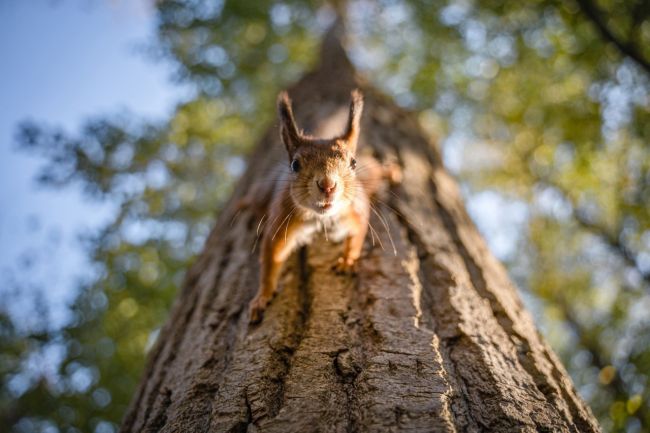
{"x":541,"y":113}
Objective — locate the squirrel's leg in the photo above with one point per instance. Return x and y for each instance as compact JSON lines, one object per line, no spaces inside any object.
{"x":277,"y":244}
{"x":357,"y":229}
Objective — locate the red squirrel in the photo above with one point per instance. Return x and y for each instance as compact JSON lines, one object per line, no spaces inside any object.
{"x":325,"y":189}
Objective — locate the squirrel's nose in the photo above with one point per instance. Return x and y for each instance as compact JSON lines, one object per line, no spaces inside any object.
{"x":326,"y":185}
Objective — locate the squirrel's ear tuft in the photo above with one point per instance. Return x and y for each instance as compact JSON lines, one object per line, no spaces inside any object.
{"x":291,"y":136}
{"x":351,"y":134}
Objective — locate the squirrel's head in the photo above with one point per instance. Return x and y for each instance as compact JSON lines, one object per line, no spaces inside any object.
{"x":322,"y":170}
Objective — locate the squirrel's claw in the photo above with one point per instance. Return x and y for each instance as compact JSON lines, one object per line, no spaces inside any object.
{"x":345,"y":266}
{"x":256,"y":309}
{"x":393,"y":172}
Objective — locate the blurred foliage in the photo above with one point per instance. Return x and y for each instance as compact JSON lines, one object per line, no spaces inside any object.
{"x":544,"y":105}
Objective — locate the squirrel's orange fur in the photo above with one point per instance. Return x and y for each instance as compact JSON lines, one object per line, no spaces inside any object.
{"x":321,"y":191}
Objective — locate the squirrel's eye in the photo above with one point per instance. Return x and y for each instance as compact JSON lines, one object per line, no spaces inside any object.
{"x":353,"y":163}
{"x":295,"y":166}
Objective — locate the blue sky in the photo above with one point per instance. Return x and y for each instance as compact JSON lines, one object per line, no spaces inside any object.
{"x":62,"y":62}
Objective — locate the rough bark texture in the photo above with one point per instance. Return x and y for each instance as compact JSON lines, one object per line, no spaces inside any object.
{"x":432,"y":338}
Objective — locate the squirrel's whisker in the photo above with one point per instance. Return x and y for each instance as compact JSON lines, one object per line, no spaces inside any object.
{"x":372,"y":230}
{"x":257,"y":232}
{"x":385,"y":224}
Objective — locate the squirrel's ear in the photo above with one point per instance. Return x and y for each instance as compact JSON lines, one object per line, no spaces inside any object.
{"x":289,"y":133}
{"x":351,"y":134}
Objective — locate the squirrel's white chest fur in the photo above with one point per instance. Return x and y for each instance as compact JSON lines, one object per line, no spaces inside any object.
{"x":333,"y":230}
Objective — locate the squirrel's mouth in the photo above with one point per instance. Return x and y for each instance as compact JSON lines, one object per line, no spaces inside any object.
{"x":324,"y":206}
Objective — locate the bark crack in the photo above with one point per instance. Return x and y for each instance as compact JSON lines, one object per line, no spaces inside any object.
{"x":351,"y":362}
{"x":243,"y":425}
{"x":347,"y":371}
{"x":548,"y":386}
{"x":160,"y":417}
{"x":579,"y":417}
{"x":211,"y":293}
{"x":176,"y":341}
{"x":283,"y":354}
{"x":458,"y":405}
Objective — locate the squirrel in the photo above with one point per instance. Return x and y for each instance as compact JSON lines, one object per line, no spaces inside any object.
{"x":325,"y":189}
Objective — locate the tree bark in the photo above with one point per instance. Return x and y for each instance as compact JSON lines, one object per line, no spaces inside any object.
{"x":433,"y":337}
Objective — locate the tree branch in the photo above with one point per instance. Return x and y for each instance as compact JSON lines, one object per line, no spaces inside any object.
{"x":599,"y":358}
{"x":615,"y":244}
{"x":627,"y":48}
{"x":612,"y":241}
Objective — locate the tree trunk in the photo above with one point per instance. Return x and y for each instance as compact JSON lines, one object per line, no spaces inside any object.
{"x":431,"y":338}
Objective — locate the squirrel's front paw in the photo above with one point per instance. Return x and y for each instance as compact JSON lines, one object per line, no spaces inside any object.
{"x":345,"y":266}
{"x":256,"y":309}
